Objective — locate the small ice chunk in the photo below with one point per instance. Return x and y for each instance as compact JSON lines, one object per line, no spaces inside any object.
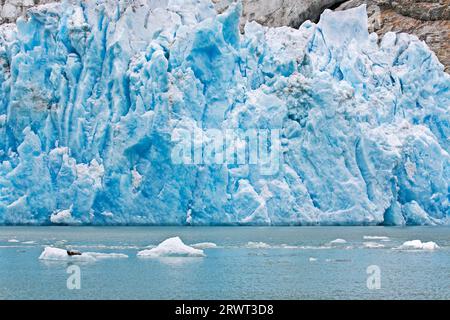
{"x":29,"y":242}
{"x":172,"y":247}
{"x":338,"y":241}
{"x":57,"y":254}
{"x":257,"y":245}
{"x":373,"y":245}
{"x":419,"y":245}
{"x":311,"y":259}
{"x":13,"y":241}
{"x":204,"y":245}
{"x":375,"y":238}
{"x":101,"y":255}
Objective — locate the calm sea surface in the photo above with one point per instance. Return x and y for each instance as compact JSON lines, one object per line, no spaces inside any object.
{"x":248,"y":263}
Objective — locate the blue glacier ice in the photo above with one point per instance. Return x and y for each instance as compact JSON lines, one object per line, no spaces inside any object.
{"x":91,"y":93}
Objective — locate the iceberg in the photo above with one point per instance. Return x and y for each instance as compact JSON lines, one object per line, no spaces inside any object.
{"x":172,"y":247}
{"x":418,"y":245}
{"x":204,"y":245}
{"x":372,"y":245}
{"x":117,"y":109}
{"x":338,"y":241}
{"x":57,"y":254}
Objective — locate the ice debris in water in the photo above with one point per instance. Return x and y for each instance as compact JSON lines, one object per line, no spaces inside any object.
{"x":172,"y":247}
{"x":257,"y":245}
{"x":57,"y":254}
{"x":338,"y":241}
{"x":418,"y":245}
{"x":95,"y":96}
{"x":382,"y":238}
{"x":204,"y":245}
{"x":373,"y":245}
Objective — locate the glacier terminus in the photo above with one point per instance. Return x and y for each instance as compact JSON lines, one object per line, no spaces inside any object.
{"x":92,"y":94}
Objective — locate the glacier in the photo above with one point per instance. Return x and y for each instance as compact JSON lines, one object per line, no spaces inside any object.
{"x":91,"y":93}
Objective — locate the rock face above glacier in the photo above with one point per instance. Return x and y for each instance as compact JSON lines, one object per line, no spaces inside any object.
{"x":92,"y":94}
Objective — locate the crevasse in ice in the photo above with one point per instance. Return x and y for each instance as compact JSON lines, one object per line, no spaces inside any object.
{"x":92,"y":92}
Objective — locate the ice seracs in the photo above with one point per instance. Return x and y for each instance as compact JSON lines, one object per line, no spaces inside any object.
{"x":94,"y":96}
{"x":172,"y":247}
{"x":63,"y":217}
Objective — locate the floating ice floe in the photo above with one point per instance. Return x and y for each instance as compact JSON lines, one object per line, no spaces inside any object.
{"x":311,"y":259}
{"x":338,"y":241}
{"x":257,"y":245}
{"x":57,"y":254}
{"x":13,"y":241}
{"x":373,"y":245}
{"x":101,"y":255}
{"x":204,"y":245}
{"x":172,"y":247}
{"x":383,"y":238}
{"x":418,"y":245}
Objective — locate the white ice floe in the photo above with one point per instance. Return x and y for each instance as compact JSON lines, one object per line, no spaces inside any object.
{"x":311,"y":259}
{"x":257,"y":245}
{"x":338,"y":241}
{"x":418,"y":245}
{"x":373,"y":245}
{"x":172,"y":247}
{"x":13,"y":241}
{"x":57,"y":254}
{"x":204,"y":245}
{"x":29,"y":242}
{"x":383,"y":238}
{"x":101,"y":255}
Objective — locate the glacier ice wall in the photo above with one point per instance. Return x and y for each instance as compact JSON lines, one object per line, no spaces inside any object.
{"x":92,"y":91}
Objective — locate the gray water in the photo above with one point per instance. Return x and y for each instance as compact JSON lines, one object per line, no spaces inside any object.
{"x":234,"y":270}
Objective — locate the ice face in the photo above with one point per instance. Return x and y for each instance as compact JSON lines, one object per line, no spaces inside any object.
{"x":95,"y":96}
